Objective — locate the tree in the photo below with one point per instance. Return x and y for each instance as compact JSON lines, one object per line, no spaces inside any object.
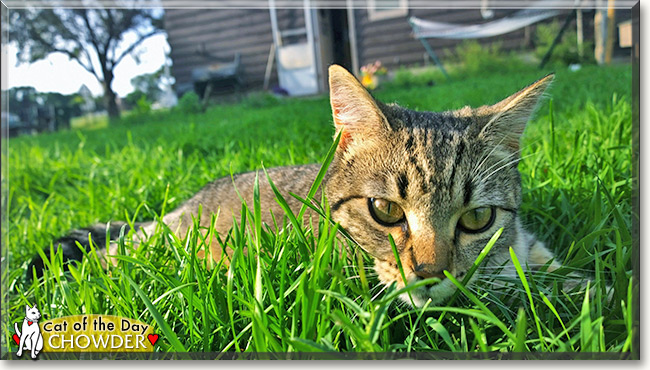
{"x":149,"y":83}
{"x":93,"y":37}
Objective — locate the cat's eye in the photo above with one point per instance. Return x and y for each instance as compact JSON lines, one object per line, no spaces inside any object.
{"x":477,"y":220}
{"x":385,"y":212}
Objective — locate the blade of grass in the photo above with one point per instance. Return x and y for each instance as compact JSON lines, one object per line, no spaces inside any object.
{"x":524,"y":281}
{"x":162,"y":323}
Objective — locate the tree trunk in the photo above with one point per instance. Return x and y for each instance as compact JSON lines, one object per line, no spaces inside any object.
{"x":110,"y":97}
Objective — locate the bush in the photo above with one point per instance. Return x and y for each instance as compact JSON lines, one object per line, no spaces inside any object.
{"x":131,"y":100}
{"x":412,"y":78}
{"x":566,"y":51}
{"x":189,"y":103}
{"x":142,"y":106}
{"x":476,"y":59}
{"x":260,"y":99}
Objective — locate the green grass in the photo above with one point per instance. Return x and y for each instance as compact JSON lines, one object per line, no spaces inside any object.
{"x":90,"y":121}
{"x":576,"y":173}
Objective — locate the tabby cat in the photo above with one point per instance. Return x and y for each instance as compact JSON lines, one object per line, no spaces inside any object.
{"x":440,"y":183}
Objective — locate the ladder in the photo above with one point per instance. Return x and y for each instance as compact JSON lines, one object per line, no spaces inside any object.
{"x":296,"y":62}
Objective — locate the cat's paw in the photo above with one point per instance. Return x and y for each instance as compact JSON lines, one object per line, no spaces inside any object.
{"x":19,"y":353}
{"x":579,"y":284}
{"x":33,"y":355}
{"x":539,"y":255}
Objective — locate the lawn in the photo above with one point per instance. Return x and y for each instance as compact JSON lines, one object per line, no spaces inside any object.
{"x":576,"y":174}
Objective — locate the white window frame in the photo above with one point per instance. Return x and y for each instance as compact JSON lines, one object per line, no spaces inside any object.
{"x":375,"y":15}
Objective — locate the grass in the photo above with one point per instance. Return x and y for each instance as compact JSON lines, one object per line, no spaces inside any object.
{"x":576,"y":172}
{"x":90,"y":121}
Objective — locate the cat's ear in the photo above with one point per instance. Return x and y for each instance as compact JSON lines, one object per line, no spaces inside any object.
{"x":27,"y":308}
{"x":508,"y":117}
{"x":355,"y":112}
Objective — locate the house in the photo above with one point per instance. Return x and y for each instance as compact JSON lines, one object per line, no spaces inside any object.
{"x":88,"y":105}
{"x":293,"y":47}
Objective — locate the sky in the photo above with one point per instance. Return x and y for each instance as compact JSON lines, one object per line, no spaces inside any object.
{"x":57,"y":73}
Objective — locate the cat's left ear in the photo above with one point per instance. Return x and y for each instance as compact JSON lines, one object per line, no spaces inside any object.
{"x":356,"y":115}
{"x":508,"y":117}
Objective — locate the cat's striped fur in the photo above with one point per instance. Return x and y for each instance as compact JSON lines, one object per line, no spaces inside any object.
{"x":434,"y":167}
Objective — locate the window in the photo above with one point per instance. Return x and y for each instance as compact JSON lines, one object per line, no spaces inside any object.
{"x":383,"y":9}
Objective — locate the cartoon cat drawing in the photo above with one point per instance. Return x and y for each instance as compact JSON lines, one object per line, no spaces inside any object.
{"x":30,"y":336}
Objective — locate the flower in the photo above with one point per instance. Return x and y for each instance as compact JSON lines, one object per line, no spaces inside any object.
{"x":369,"y":74}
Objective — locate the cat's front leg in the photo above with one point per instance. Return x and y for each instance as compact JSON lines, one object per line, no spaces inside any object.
{"x":30,"y":344}
{"x":539,"y":255}
{"x":39,"y":342}
{"x":22,"y":343}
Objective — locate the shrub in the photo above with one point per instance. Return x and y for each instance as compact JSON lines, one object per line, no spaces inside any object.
{"x":409,"y":78}
{"x":131,"y":100}
{"x":403,"y":78}
{"x":475,"y":58}
{"x":566,"y":51}
{"x":189,"y":103}
{"x":143,"y":106}
{"x":260,"y":99}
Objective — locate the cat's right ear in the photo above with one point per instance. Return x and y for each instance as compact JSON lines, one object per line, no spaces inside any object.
{"x":356,"y":115}
{"x":509,"y":116}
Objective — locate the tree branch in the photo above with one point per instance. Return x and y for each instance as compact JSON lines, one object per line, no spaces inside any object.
{"x":72,"y":56}
{"x":134,"y":45}
{"x":92,"y":67}
{"x":93,"y":38}
{"x":111,"y":31}
{"x":39,"y":39}
{"x":84,"y":16}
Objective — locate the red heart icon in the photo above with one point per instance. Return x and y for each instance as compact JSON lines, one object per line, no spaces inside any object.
{"x":153,"y":338}
{"x":16,"y":338}
{"x":29,"y":322}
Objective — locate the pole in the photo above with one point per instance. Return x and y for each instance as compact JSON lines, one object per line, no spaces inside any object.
{"x":557,"y":39}
{"x":609,"y":42}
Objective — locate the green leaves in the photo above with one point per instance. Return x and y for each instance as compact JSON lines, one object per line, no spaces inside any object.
{"x":287,"y":288}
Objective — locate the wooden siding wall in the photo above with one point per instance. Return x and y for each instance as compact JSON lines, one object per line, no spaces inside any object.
{"x":391,"y":40}
{"x":225,"y":32}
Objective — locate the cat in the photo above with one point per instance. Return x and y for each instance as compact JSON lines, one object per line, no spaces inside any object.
{"x":440,"y":183}
{"x":30,"y":337}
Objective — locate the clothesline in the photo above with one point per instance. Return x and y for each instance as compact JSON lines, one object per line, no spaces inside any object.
{"x":442,"y":30}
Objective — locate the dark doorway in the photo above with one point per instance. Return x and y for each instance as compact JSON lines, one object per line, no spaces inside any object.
{"x":334,"y":38}
{"x":341,"y":39}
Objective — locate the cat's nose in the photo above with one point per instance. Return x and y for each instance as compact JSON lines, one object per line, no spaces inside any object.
{"x":427,"y":274}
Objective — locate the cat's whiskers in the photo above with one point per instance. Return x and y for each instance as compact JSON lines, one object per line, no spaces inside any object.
{"x":511,"y":283}
{"x":491,"y":297}
{"x":382,"y":288}
{"x":402,"y":304}
{"x":517,"y":157}
{"x":358,"y":267}
{"x":495,"y":147}
{"x":551,"y":274}
{"x":485,"y":157}
{"x":474,"y":174}
{"x":371,"y":275}
{"x":500,"y":161}
{"x":486,"y":178}
{"x":498,"y":281}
